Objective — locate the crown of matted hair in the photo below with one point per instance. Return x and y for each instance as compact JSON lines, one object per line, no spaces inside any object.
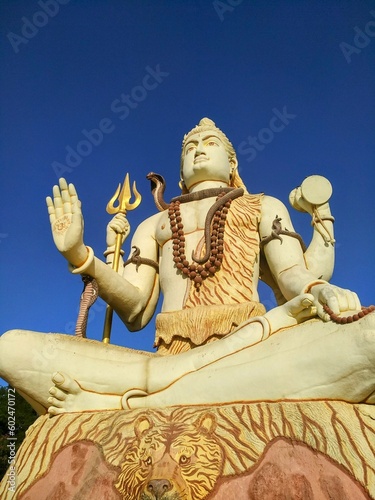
{"x":207,"y":124}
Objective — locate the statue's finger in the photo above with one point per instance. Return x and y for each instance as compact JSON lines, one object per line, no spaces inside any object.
{"x":321,"y":312}
{"x":357,"y":302}
{"x":73,"y":193}
{"x":359,"y":305}
{"x":51,"y":209}
{"x":117,"y":228}
{"x":67,"y":204}
{"x":56,"y":192}
{"x":65,"y":196}
{"x":307,"y":299}
{"x":63,"y":184}
{"x":307,"y":313}
{"x":50,"y":205}
{"x":57,"y":201}
{"x":348,"y":301}
{"x":331,"y":299}
{"x":76,"y":209}
{"x":76,"y":202}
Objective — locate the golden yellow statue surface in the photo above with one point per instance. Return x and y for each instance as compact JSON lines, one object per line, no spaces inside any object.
{"x":233,"y":390}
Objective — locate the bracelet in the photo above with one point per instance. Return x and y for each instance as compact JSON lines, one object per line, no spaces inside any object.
{"x":318,"y":219}
{"x":83,"y":267}
{"x":111,"y":250}
{"x":308,"y":287}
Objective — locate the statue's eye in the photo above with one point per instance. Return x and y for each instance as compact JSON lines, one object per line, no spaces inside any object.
{"x":148,"y":461}
{"x":211,"y":143}
{"x":184,"y":460}
{"x":189,"y":149}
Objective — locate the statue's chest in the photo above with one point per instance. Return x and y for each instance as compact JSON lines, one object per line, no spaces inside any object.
{"x":193,"y":219}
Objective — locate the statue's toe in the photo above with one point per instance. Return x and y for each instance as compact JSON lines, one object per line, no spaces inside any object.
{"x":55,"y":410}
{"x":55,"y":402}
{"x":57,"y":393}
{"x":65,"y":383}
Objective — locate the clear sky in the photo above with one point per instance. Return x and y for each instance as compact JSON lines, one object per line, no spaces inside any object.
{"x":145,"y":73}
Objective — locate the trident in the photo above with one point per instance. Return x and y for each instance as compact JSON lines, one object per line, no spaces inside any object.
{"x":123,"y":196}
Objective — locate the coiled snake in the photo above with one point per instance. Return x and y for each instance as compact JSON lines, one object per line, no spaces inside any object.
{"x":88,"y":297}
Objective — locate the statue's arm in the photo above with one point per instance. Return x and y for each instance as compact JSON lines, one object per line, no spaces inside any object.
{"x":132,"y":295}
{"x":286,"y":262}
{"x":284,"y":255}
{"x":133,"y":292}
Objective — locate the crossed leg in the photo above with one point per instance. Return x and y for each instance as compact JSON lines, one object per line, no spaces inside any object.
{"x":314,"y":360}
{"x":29,"y":359}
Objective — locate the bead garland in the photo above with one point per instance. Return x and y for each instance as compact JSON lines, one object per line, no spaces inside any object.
{"x":198,"y":272}
{"x":342,"y":320}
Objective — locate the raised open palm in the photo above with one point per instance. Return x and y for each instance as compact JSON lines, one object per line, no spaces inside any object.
{"x":66,"y":222}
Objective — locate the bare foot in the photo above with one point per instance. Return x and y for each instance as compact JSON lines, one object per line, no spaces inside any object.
{"x":68,"y":396}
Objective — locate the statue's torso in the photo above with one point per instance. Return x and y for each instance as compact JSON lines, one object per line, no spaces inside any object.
{"x":177,"y":289}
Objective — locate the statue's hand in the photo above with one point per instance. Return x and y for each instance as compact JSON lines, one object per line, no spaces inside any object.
{"x":291,"y":313}
{"x":336,"y":298}
{"x":67,"y":223}
{"x":118,"y":225}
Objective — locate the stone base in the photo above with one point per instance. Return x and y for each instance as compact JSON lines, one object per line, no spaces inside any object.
{"x":258,"y":451}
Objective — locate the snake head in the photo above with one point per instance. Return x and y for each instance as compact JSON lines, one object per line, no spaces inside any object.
{"x":157,"y":189}
{"x":157,"y":181}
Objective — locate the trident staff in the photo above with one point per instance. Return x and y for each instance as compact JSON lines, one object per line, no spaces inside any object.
{"x":123,"y":196}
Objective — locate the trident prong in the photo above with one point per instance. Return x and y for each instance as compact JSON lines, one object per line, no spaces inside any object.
{"x":123,"y":196}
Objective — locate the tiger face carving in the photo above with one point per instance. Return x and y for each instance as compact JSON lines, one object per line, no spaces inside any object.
{"x":175,"y":461}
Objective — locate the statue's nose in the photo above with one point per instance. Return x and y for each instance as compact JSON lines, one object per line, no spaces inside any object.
{"x":158,"y":487}
{"x":199,"y":149}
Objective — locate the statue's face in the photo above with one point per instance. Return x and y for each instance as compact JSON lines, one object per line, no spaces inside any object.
{"x":205,"y":159}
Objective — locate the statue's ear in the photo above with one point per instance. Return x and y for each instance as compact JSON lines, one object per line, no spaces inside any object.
{"x":233,"y":163}
{"x":184,"y":189}
{"x":142,"y":425}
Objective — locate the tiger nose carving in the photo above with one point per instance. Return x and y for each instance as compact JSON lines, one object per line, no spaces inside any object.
{"x":158,"y":487}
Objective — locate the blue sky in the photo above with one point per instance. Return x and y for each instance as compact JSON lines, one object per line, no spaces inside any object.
{"x":70,"y":67}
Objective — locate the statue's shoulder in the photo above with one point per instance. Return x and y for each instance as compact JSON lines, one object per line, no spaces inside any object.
{"x":152,"y":222}
{"x":273,"y":206}
{"x":247,"y":207}
{"x":253,"y":198}
{"x":250,"y":200}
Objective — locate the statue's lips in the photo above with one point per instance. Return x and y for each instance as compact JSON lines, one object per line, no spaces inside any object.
{"x":200,"y":159}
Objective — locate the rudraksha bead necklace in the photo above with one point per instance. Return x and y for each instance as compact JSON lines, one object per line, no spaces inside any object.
{"x":197,"y":272}
{"x":342,"y":320}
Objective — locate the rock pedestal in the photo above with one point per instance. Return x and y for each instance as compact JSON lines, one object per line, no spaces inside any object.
{"x":258,"y":451}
